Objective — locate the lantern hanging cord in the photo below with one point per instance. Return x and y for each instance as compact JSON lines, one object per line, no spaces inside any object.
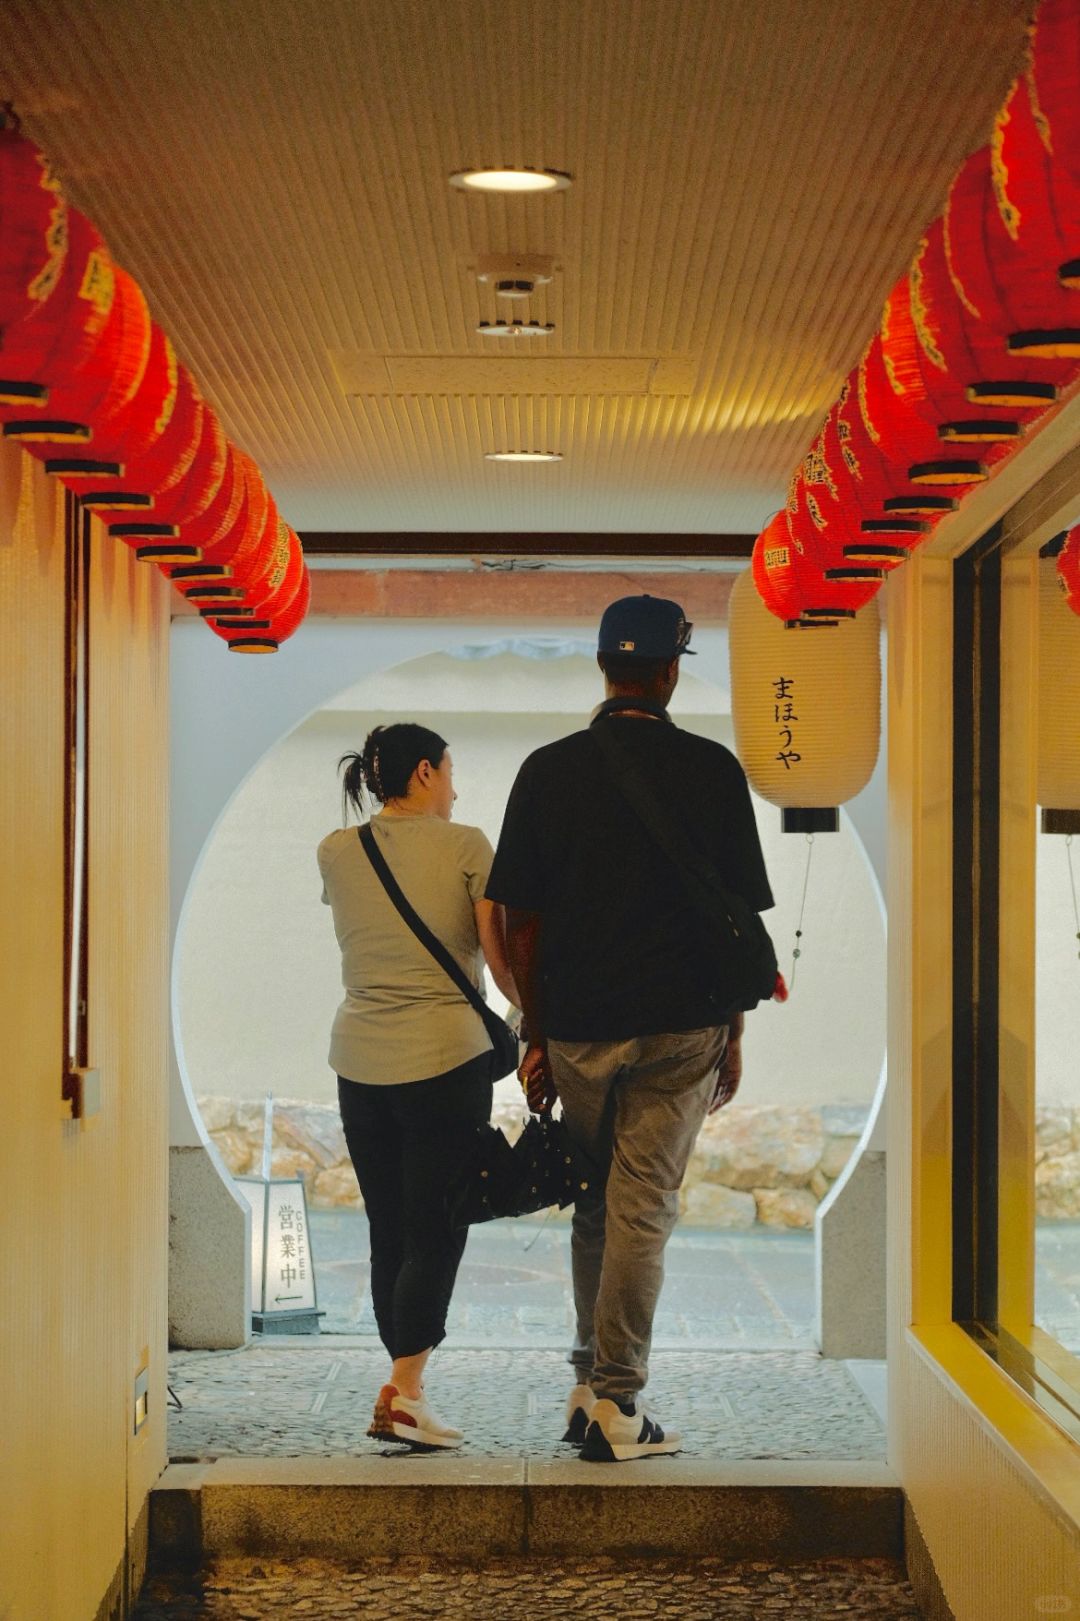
{"x":1072,"y":886}
{"x":797,"y":951}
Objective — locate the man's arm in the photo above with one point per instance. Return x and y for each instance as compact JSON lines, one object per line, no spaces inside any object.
{"x":491,"y":932}
{"x":523,"y":950}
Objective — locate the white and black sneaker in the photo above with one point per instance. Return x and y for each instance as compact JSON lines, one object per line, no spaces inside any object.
{"x":619,"y":1431}
{"x":579,"y":1406}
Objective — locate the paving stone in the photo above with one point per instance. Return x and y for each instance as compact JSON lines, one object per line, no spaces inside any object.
{"x":500,"y":1590}
{"x":284,"y":1400}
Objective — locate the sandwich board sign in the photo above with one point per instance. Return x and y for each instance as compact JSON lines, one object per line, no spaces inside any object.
{"x":283,"y":1298}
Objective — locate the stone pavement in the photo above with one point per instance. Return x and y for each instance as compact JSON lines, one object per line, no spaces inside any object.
{"x":749,"y":1290}
{"x":291,"y":1398}
{"x":598,"y":1589}
{"x":1057,"y":1281}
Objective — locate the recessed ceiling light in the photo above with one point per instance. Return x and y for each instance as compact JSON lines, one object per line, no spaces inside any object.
{"x":519,"y":180}
{"x":516,"y":329}
{"x":523,"y":456}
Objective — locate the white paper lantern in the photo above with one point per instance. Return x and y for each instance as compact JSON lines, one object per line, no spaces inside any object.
{"x":806,"y":706}
{"x":1058,"y":767}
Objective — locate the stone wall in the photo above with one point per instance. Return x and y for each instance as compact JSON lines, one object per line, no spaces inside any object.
{"x":1057,"y":1163}
{"x":769,"y":1165}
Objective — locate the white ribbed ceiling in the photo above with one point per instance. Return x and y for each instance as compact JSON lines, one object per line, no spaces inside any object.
{"x":749,"y":178}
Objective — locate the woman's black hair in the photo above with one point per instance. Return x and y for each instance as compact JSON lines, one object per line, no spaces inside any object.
{"x":384,"y":766}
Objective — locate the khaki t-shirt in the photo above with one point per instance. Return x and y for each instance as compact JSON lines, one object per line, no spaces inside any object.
{"x":403,"y":1019}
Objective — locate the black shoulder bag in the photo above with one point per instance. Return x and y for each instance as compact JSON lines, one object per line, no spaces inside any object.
{"x":504,"y":1043}
{"x":743,"y":963}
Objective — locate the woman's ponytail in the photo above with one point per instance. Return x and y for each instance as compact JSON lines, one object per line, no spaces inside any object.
{"x":384,"y":767}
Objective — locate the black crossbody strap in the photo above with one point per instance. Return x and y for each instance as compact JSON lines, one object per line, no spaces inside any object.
{"x":428,"y":940}
{"x":702,"y":885}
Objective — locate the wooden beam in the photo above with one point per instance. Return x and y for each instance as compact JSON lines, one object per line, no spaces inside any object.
{"x":500,"y":593}
{"x":357,"y":543}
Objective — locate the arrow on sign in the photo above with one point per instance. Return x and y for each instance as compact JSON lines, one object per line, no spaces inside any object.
{"x":280,"y":1298}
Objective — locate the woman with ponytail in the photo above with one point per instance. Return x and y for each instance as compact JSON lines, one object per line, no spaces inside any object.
{"x":411,"y":1055}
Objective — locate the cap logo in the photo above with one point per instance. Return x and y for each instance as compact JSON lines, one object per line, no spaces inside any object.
{"x":627,"y":647}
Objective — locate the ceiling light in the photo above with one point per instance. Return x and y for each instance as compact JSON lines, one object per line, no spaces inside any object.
{"x":516,"y":329}
{"x":521,"y":180}
{"x":523,"y":456}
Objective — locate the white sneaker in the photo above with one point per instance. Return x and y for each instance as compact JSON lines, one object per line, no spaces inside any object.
{"x":397,"y":1418}
{"x":579,"y":1406}
{"x":613,"y":1435}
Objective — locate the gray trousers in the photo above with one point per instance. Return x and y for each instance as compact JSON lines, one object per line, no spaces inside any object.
{"x":633,"y":1109}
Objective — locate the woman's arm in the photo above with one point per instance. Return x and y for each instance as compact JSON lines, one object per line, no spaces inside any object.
{"x":491,"y":932}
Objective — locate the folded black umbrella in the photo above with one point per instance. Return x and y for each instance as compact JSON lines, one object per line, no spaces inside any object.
{"x":504,"y":1179}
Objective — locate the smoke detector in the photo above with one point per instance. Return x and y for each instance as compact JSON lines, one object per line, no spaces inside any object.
{"x":515,"y":275}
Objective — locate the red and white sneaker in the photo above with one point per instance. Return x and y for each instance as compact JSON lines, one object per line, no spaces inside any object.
{"x":579,"y":1406}
{"x":416,"y":1423}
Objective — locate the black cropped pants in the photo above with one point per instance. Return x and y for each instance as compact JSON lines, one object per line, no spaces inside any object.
{"x":406,"y":1143}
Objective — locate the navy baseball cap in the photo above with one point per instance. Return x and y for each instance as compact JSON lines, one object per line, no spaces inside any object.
{"x":645,"y":628}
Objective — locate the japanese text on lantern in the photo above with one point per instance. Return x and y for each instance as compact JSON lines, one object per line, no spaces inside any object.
{"x":785,"y":718}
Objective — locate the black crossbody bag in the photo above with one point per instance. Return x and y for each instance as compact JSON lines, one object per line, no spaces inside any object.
{"x":504,"y":1043}
{"x":743,"y":963}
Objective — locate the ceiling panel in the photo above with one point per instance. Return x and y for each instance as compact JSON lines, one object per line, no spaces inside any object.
{"x":748,"y":180}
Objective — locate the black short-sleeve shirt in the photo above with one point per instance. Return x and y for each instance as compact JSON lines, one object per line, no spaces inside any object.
{"x":621,"y":944}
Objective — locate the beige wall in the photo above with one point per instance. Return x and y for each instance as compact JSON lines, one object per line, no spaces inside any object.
{"x":258,"y":973}
{"x":993,"y":1486}
{"x":83,"y":1269}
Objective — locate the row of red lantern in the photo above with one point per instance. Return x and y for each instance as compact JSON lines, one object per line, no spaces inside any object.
{"x":1068,"y":567}
{"x":91,"y":385}
{"x":978,"y":339}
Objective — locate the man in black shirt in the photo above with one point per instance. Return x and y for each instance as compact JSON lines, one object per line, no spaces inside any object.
{"x":625,"y":1023}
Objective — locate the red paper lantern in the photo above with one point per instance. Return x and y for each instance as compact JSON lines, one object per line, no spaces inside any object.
{"x":907,"y":441}
{"x":100,"y":480}
{"x":57,"y":339}
{"x":944,"y":407}
{"x":189,"y":497}
{"x":868,"y":535}
{"x":169,"y":458}
{"x":265,"y":633}
{"x":242,"y":545}
{"x":789,"y":580}
{"x":276,"y":601}
{"x":961,"y":358}
{"x":1027,"y":240}
{"x":895,"y":512}
{"x":1068,"y":565}
{"x":1054,"y":80}
{"x":262,"y":571}
{"x":240,"y":541}
{"x":774,"y":569}
{"x":84,"y":402}
{"x":970,"y":251}
{"x":33,"y":229}
{"x":829,"y":588}
{"x":182,"y":504}
{"x":215,"y":531}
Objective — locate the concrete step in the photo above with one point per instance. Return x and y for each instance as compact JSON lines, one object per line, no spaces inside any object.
{"x":410,"y":1504}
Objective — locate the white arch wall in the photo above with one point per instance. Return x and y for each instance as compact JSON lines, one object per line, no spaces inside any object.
{"x":228,"y":712}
